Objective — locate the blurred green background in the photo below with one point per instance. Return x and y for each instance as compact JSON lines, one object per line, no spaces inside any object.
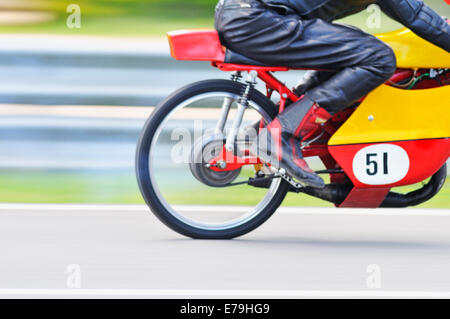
{"x":134,"y":17}
{"x":121,"y":188}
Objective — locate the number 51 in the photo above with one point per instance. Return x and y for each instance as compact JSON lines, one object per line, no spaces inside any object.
{"x":372,"y":164}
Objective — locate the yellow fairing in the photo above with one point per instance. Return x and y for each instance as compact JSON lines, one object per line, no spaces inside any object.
{"x":413,"y":52}
{"x":390,"y":114}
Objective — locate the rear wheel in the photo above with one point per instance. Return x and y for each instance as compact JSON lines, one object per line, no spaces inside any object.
{"x":177,"y":142}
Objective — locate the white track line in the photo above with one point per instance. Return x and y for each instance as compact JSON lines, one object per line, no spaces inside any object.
{"x":225,"y":293}
{"x":282,"y":210}
{"x":73,"y":207}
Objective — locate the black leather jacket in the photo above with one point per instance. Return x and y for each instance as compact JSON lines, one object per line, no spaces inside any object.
{"x":413,"y":14}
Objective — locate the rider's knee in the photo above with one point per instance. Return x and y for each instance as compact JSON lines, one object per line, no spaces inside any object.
{"x":386,"y":61}
{"x":391,"y":62}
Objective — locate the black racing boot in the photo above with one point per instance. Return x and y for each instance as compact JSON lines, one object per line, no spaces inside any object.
{"x":278,"y":144}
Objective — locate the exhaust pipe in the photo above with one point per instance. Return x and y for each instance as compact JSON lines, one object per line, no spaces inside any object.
{"x":396,"y":200}
{"x":336,"y":194}
{"x":333,"y":193}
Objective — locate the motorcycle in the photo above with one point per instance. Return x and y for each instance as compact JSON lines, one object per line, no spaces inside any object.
{"x":197,"y":175}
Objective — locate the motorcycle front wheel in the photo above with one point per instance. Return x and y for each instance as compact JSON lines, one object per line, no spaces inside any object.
{"x":190,"y":198}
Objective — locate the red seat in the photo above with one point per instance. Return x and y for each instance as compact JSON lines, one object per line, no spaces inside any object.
{"x":196,"y":45}
{"x":204,"y":45}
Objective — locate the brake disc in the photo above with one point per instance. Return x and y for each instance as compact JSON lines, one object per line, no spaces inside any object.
{"x":203,"y":152}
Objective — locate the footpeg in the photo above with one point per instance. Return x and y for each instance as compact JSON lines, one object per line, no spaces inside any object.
{"x":289,"y":179}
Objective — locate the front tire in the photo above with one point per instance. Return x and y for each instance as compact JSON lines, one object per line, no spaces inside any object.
{"x":150,"y":188}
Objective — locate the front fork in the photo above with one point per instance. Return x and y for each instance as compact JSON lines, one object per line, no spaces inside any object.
{"x":227,"y":160}
{"x":242,"y":105}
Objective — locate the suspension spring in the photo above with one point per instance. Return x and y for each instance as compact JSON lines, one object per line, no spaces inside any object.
{"x":250,"y":85}
{"x":242,"y":104}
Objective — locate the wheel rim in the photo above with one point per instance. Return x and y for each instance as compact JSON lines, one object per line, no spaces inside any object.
{"x":233,"y":215}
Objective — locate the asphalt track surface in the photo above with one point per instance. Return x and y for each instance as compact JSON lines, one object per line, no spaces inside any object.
{"x":124,"y":251}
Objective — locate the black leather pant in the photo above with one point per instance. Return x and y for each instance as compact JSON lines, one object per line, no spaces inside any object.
{"x":359,"y":62}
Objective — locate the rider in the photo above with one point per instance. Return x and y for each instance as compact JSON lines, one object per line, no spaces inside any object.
{"x":300,"y":33}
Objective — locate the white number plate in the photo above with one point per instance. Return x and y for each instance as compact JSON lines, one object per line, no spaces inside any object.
{"x":381,"y":164}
